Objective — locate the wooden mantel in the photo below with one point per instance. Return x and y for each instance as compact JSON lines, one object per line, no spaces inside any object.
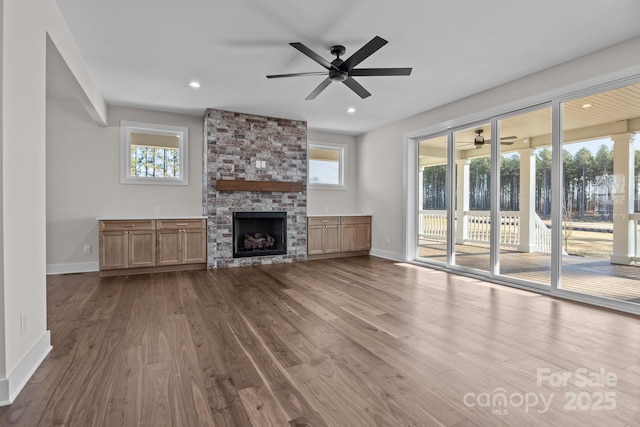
{"x":242,"y":185}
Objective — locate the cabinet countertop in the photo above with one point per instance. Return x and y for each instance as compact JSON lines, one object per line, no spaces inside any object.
{"x":333,"y":215}
{"x":137,"y":217}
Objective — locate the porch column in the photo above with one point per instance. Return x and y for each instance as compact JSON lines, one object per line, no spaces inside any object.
{"x":623,"y":174}
{"x":462,"y":199}
{"x":527,"y":200}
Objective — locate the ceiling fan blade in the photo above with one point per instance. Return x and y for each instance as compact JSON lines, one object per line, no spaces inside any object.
{"x":506,"y":138}
{"x":357,"y":88}
{"x":313,"y":73}
{"x":361,"y":72}
{"x":364,"y":52}
{"x":311,"y":54}
{"x":506,"y":142}
{"x":322,"y":86}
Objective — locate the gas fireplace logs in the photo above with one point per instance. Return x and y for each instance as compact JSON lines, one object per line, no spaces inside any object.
{"x":258,"y":241}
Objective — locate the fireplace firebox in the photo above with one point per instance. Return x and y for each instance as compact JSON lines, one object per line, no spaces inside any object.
{"x":259,"y":234}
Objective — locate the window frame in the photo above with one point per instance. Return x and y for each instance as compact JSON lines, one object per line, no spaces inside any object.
{"x":342,"y":165}
{"x":128,"y":127}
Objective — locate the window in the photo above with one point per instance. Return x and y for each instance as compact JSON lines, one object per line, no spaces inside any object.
{"x":154,"y":154}
{"x":327,"y":166}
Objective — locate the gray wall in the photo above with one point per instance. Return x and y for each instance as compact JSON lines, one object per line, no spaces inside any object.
{"x":83,"y":180}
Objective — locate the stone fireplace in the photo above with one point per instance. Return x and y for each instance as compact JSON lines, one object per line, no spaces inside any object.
{"x":255,"y":166}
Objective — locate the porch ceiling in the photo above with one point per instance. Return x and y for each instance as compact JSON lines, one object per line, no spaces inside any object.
{"x":591,"y":117}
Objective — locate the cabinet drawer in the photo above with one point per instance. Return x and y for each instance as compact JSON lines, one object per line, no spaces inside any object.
{"x":180,"y":224}
{"x":325,"y":220}
{"x":356,"y":219}
{"x":137,"y":224}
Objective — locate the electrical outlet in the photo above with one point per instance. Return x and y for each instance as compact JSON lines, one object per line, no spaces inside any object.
{"x":156,"y":210}
{"x":387,"y":241}
{"x":87,"y":249}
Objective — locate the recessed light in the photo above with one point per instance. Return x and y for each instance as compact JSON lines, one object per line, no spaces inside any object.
{"x":586,"y":105}
{"x":351,"y":110}
{"x":194,"y":84}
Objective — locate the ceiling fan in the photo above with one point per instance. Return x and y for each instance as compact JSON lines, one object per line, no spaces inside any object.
{"x":479,"y":140}
{"x":343,"y":71}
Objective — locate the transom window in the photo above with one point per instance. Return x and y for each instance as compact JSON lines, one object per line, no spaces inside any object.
{"x":154,"y":154}
{"x":327,"y":166}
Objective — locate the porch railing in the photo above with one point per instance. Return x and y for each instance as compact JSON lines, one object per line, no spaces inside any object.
{"x":636,"y":244}
{"x":476,"y":228}
{"x":542,"y":236}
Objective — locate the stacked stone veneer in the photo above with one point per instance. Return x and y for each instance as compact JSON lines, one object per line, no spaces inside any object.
{"x":234,"y":142}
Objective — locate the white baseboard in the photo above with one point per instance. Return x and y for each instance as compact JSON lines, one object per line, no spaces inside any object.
{"x":11,"y":386}
{"x":393,"y":256}
{"x":80,"y":267}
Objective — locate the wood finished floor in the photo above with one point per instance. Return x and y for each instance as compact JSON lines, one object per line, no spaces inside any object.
{"x":343,"y":342}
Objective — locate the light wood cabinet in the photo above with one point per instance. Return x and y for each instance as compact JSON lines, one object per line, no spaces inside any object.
{"x":356,"y":233}
{"x":181,"y":241}
{"x":335,"y":236}
{"x":323,"y":235}
{"x":127,"y":244}
{"x":140,"y":246}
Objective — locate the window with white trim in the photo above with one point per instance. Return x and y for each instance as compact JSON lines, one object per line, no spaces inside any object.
{"x":327,"y":166}
{"x":154,"y":154}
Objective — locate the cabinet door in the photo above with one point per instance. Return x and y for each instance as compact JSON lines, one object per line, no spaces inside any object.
{"x":315,"y":239}
{"x":168,"y":246}
{"x":142,"y":248}
{"x":114,"y":250}
{"x":331,"y":238}
{"x":363,"y":237}
{"x":194,"y":246}
{"x":348,"y":238}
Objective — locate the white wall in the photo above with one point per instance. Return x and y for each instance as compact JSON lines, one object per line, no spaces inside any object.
{"x":83,"y":180}
{"x":381,"y":169}
{"x":25,"y":26}
{"x":321,"y":202}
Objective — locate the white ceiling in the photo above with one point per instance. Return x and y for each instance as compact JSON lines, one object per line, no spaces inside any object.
{"x":144,"y":53}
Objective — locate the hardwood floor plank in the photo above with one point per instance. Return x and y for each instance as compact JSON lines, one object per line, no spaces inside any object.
{"x":310,"y":305}
{"x":223,"y":399}
{"x":262,"y":408}
{"x":337,"y":410}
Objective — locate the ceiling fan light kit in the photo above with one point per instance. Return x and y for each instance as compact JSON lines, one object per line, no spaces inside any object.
{"x":343,"y":71}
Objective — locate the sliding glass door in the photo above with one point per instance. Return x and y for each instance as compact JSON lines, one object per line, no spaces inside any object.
{"x":545,"y":197}
{"x":525,"y":197}
{"x":432,"y":199}
{"x":600,"y":237}
{"x":472,"y":225}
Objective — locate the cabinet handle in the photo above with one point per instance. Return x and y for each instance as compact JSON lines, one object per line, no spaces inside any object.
{"x":182,"y":225}
{"x":325,"y":220}
{"x":128,"y":225}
